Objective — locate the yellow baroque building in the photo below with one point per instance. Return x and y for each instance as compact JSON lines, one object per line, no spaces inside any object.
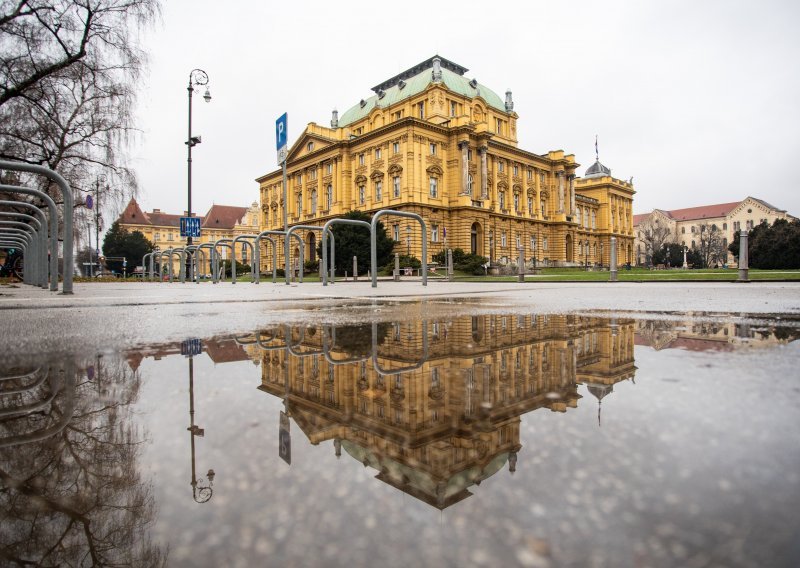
{"x":433,"y":142}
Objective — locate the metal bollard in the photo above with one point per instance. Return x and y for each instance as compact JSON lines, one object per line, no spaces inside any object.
{"x":521,"y":266}
{"x":744,"y":259}
{"x":450,"y":275}
{"x":355,"y":269}
{"x":396,"y":267}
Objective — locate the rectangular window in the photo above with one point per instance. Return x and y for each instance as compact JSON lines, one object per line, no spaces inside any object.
{"x":530,"y":174}
{"x":469,"y":155}
{"x":500,"y":166}
{"x":516,"y":202}
{"x":453,"y":108}
{"x":421,"y":109}
{"x":434,"y":187}
{"x":361,"y":194}
{"x":329,"y":168}
{"x":378,"y":190}
{"x":433,"y":149}
{"x":396,"y":233}
{"x":516,"y":170}
{"x":314,"y":174}
{"x":377,"y":153}
{"x":157,"y":236}
{"x":361,"y":159}
{"x":499,"y":126}
{"x":396,"y":147}
{"x":530,"y":206}
{"x":533,"y":244}
{"x":544,"y":243}
{"x":503,"y":239}
{"x":519,"y":242}
{"x":396,"y":186}
{"x":434,"y":233}
{"x":170,"y":237}
{"x":299,"y":179}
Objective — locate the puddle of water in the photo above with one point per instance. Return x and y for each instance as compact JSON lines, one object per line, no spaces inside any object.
{"x":494,"y":439}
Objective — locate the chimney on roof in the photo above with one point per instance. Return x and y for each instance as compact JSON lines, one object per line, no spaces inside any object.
{"x":401,"y":84}
{"x":335,"y":119}
{"x":437,"y":70}
{"x":185,"y":213}
{"x":156,"y":210}
{"x":509,"y":101}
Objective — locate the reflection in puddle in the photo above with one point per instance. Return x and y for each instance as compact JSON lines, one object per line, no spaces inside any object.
{"x":430,"y":408}
{"x":435,"y":407}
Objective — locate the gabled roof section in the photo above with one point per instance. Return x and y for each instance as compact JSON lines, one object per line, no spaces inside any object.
{"x":159,"y":219}
{"x":223,"y":217}
{"x":399,"y":89}
{"x":133,"y":215}
{"x":703,"y":212}
{"x":300,"y":147}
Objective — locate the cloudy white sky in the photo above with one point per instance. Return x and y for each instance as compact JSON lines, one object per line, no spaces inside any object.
{"x":698,"y":100}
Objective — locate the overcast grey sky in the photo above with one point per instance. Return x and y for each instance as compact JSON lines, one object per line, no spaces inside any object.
{"x":698,"y":100}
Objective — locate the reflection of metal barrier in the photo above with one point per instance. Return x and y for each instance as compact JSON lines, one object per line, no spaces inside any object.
{"x":326,"y":350}
{"x":62,"y":388}
{"x":404,"y":369}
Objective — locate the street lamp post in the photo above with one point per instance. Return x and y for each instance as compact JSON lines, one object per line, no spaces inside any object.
{"x":197,"y":78}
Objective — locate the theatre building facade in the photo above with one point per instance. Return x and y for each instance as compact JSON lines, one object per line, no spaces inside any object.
{"x":433,"y":142}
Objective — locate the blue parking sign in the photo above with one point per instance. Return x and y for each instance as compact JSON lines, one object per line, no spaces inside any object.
{"x":281,"y":136}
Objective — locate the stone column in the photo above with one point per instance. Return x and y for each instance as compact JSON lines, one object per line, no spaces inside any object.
{"x":484,"y":173}
{"x":464,"y":167}
{"x":560,"y":176}
{"x":571,"y":179}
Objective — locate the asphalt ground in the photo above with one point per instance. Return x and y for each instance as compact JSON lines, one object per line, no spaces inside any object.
{"x":102,"y":317}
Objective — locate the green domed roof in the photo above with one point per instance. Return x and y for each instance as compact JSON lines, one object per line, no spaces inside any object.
{"x":405,"y":88}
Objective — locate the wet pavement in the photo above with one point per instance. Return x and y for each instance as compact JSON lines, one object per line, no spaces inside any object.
{"x":499,"y":427}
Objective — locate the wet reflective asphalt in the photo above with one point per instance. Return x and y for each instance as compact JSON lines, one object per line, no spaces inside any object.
{"x":473,"y":440}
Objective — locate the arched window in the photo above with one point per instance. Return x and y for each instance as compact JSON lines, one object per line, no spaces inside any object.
{"x":313,"y":201}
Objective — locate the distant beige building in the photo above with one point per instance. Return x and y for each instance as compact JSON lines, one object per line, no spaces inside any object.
{"x":686,"y":226}
{"x":221,"y":222}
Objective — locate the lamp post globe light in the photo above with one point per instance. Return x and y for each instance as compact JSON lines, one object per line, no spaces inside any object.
{"x":197,"y":78}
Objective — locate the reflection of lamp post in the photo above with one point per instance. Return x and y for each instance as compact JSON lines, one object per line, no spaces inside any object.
{"x":200,"y":492}
{"x":408,"y":240}
{"x":197,"y":77}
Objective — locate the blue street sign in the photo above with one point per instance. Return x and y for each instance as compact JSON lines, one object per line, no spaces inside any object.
{"x":190,"y":226}
{"x":89,"y":202}
{"x":281,"y":136}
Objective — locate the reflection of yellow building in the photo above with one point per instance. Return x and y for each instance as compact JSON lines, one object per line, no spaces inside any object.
{"x":433,"y":142}
{"x":220,"y":222}
{"x":452,"y":418}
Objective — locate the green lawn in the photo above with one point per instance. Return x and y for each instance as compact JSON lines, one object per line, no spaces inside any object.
{"x":640,"y":275}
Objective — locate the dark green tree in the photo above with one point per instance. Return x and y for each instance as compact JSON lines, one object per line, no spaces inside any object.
{"x":352,"y":240}
{"x":131,"y":245}
{"x":776,"y":246}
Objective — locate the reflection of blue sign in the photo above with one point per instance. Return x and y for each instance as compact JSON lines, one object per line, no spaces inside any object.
{"x":190,"y":226}
{"x":281,"y":135}
{"x":191,"y":347}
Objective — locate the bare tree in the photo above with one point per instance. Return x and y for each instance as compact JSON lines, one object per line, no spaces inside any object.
{"x":712,"y":247}
{"x":654,"y":233}
{"x":42,"y":38}
{"x":67,"y":80}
